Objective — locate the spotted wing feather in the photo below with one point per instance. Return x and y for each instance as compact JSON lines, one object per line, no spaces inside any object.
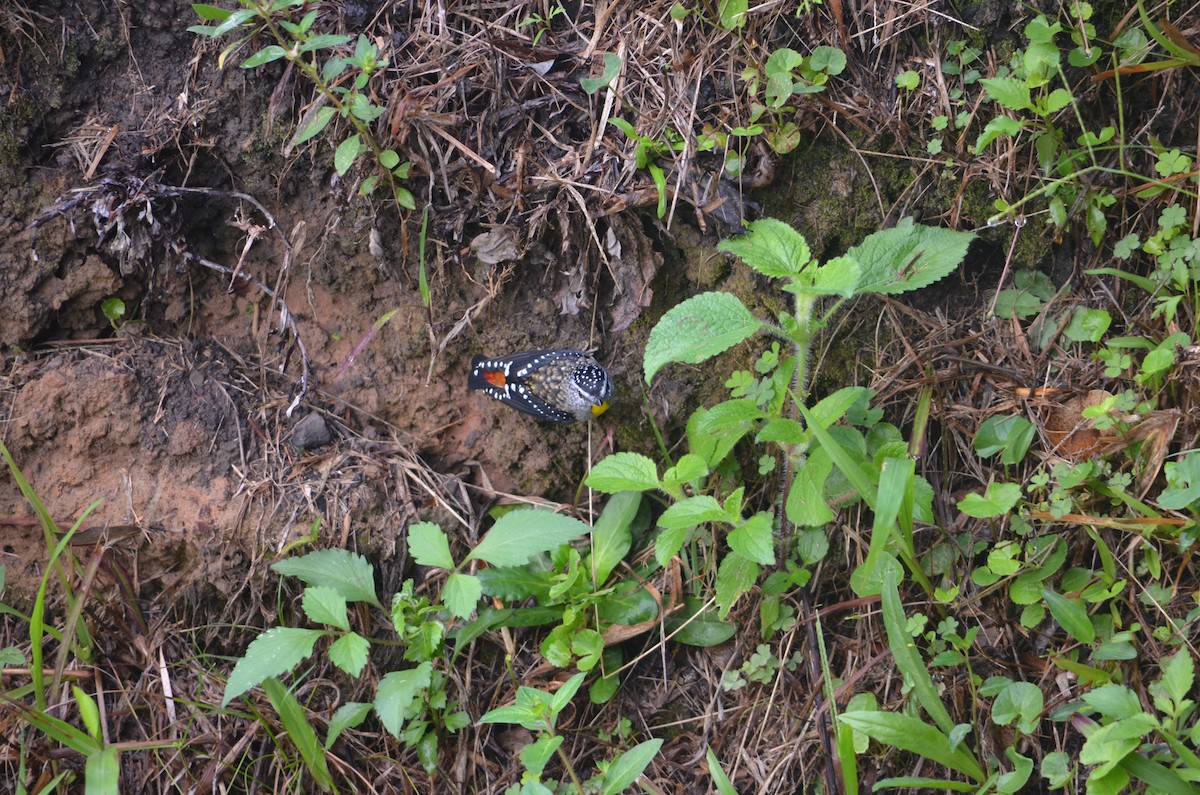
{"x":506,"y":380}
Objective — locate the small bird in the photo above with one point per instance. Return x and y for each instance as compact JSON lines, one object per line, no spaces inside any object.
{"x":557,"y":385}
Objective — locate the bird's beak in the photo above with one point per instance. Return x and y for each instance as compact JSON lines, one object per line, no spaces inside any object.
{"x":599,"y":408}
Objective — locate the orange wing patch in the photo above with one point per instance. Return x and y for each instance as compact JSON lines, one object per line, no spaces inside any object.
{"x":495,"y":378}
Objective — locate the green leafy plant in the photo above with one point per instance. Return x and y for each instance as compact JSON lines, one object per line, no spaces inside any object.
{"x":35,"y":702}
{"x":541,"y":23}
{"x":538,"y":711}
{"x":341,"y":80}
{"x":772,"y":407}
{"x":413,"y":703}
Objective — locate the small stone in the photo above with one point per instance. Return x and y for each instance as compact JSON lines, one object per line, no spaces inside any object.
{"x":311,"y":432}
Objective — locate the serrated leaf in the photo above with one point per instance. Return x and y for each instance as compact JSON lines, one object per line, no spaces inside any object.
{"x":395,"y":695}
{"x":668,"y":543}
{"x":838,"y":276}
{"x":754,"y":540}
{"x":1178,"y":675}
{"x":349,"y":652}
{"x":692,"y":511}
{"x":461,"y":594}
{"x":770,"y":246}
{"x":429,"y":546}
{"x":688,"y":468}
{"x":908,"y":256}
{"x":623,"y":472}
{"x":735,"y":576}
{"x":1010,"y":92}
{"x":347,"y":573}
{"x":519,"y":535}
{"x":698,"y":329}
{"x":274,"y":652}
{"x":324,"y":605}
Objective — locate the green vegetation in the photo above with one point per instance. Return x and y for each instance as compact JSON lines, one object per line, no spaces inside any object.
{"x":341,"y":81}
{"x":1029,"y":586}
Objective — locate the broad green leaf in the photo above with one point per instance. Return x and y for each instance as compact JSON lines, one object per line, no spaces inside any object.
{"x":1178,"y":675}
{"x":668,"y":543}
{"x":517,"y":583}
{"x":698,"y":625}
{"x":429,"y":546}
{"x":210,"y":13}
{"x":1010,"y":434}
{"x":612,"y":68}
{"x":806,"y":505}
{"x":1087,"y":325}
{"x":623,"y":472}
{"x":754,"y":540}
{"x":535,"y":756}
{"x":566,"y":692}
{"x":301,"y":734}
{"x":312,"y":124}
{"x":1071,"y":615}
{"x":769,"y":246}
{"x":272,"y":52}
{"x":349,"y":652}
{"x":915,"y":736}
{"x":1056,"y":768}
{"x":908,"y":256}
{"x":698,"y":329}
{"x":324,"y":605}
{"x":625,"y":769}
{"x":519,"y":535}
{"x":347,"y":573}
{"x":838,"y":276}
{"x":612,"y":535}
{"x":1020,"y":703}
{"x":692,"y":511}
{"x":89,"y":712}
{"x":101,"y":772}
{"x":689,"y":467}
{"x":396,"y":693}
{"x":274,"y":652}
{"x":1015,"y":779}
{"x":630,"y":603}
{"x":735,"y":576}
{"x":346,"y":153}
{"x":832,"y":408}
{"x":461,"y":594}
{"x":1001,"y":125}
{"x":999,"y":500}
{"x":1010,"y":92}
{"x":347,"y":716}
